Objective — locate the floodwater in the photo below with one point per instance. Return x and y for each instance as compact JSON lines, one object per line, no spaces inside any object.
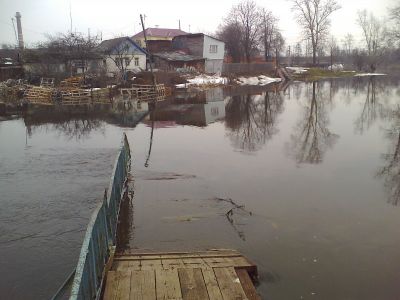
{"x":314,"y":167}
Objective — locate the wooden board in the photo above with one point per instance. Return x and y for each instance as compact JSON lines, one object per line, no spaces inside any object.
{"x":247,"y":284}
{"x":118,"y":285}
{"x":143,"y":285}
{"x":192,"y":284}
{"x":168,"y":285}
{"x":214,"y":293}
{"x":229,"y":284}
{"x":211,"y":275}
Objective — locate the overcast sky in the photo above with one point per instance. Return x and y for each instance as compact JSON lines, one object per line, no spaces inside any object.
{"x":115,"y":17}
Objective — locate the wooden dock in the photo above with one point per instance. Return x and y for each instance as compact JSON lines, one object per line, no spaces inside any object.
{"x":213,"y":275}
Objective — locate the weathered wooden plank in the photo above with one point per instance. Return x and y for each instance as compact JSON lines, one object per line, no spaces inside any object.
{"x":143,"y":285}
{"x":125,"y":265}
{"x":167,"y":285}
{"x":151,"y":264}
{"x":211,"y":252}
{"x":247,"y":284}
{"x":192,"y":284}
{"x":220,"y":262}
{"x":229,"y":284}
{"x":213,"y":290}
{"x":197,"y":262}
{"x":117,"y":285}
{"x":172,"y":263}
{"x":111,"y":286}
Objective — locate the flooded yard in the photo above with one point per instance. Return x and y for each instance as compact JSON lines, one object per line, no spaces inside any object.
{"x":302,"y":179}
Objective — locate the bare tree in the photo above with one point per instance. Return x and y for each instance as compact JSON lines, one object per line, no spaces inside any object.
{"x":313,"y":17}
{"x":348,"y":42}
{"x":247,"y":15}
{"x":268,"y":29}
{"x":72,"y":49}
{"x":374,"y":36}
{"x":333,"y":50}
{"x":394,"y":14}
{"x":278,"y":42}
{"x":231,"y":33}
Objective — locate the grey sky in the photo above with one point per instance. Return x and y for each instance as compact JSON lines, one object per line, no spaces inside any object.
{"x":115,"y":17}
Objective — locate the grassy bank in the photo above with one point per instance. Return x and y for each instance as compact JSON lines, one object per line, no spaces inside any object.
{"x":316,"y":73}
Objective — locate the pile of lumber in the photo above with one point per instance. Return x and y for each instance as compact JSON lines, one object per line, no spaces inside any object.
{"x":39,"y":95}
{"x":47,"y":82}
{"x":71,"y":83}
{"x":75,"y":97}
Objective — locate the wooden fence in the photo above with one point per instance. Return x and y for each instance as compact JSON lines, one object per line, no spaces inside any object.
{"x":244,"y":68}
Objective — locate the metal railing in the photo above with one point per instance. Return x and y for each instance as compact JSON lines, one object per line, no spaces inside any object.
{"x":100,"y":237}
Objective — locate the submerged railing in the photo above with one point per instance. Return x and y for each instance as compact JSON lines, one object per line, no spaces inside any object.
{"x":100,"y":237}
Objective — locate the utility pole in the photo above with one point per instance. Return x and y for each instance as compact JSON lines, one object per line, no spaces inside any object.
{"x":70,"y":15}
{"x":148,"y":52}
{"x":15,"y":32}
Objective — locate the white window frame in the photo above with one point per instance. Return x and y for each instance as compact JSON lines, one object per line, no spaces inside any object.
{"x":213,"y":48}
{"x":136,"y":61}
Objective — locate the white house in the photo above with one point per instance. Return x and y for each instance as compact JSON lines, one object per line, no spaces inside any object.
{"x":205,"y":46}
{"x":121,"y":55}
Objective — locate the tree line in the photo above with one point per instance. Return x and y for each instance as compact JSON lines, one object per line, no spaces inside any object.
{"x":250,"y":30}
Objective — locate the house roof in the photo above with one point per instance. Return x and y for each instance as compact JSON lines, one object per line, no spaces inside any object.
{"x":10,"y":53}
{"x":108,"y":45}
{"x":160,"y":32}
{"x":177,"y":56}
{"x":190,"y":35}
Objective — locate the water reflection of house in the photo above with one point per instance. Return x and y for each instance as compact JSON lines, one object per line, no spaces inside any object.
{"x":197,"y":109}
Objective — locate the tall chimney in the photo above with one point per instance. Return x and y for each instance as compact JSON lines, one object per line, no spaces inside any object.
{"x":19,"y":29}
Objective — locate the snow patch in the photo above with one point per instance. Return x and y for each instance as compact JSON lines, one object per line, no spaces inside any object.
{"x":297,"y":70}
{"x":260,"y":80}
{"x":336,"y":67}
{"x":370,"y":74}
{"x":204,"y":80}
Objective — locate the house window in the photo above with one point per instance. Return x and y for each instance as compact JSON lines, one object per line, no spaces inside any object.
{"x":136,"y":61}
{"x":213,"y":48}
{"x":127,"y":61}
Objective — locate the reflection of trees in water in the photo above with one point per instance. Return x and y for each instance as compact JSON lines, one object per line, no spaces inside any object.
{"x":79,"y":128}
{"x":371,"y":108}
{"x":312,"y":138}
{"x":252,"y":120}
{"x":391,"y":171}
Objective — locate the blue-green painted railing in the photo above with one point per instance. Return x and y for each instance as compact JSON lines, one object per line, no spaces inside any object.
{"x":101,"y":232}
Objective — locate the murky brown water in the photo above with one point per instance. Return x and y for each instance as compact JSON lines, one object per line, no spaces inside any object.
{"x":315,"y":166}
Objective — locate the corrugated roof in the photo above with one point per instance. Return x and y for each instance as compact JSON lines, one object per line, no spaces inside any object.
{"x":160,"y":32}
{"x":177,"y":56}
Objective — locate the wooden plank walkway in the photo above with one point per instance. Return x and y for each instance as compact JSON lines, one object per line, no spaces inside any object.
{"x":213,"y":275}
